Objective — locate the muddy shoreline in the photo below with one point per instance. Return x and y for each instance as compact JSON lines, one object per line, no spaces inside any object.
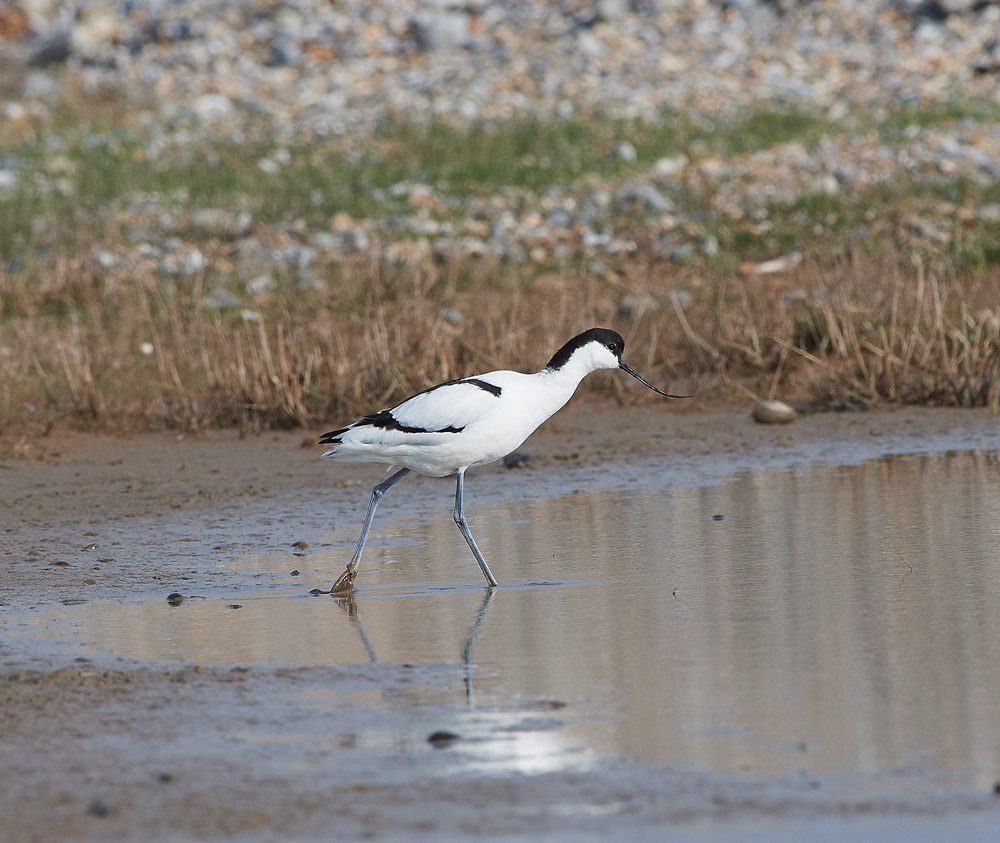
{"x":99,"y":746}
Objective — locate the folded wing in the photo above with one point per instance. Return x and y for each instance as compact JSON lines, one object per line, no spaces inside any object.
{"x":447,"y":408}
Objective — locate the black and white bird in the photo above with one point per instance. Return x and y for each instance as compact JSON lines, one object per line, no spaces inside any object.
{"x":453,"y":426}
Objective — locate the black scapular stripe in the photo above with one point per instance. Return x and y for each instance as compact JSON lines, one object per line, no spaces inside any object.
{"x":492,"y":389}
{"x":385,"y":420}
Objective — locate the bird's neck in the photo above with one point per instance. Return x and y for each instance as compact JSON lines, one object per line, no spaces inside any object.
{"x":561,"y":383}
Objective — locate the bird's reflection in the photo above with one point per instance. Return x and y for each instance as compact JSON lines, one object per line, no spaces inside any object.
{"x":470,"y":640}
{"x":349,"y":605}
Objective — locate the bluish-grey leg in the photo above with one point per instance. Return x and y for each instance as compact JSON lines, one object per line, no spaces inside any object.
{"x":345,"y":582}
{"x":464,"y":527}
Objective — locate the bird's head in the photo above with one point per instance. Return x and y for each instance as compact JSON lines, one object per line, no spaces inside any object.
{"x":599,"y":348}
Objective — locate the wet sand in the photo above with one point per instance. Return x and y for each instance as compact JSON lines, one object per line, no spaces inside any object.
{"x":189,"y":734}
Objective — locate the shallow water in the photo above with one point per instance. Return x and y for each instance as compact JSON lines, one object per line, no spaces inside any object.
{"x":835,"y":620}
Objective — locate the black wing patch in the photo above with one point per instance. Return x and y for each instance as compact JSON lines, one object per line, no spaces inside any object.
{"x":385,"y":420}
{"x":492,"y":389}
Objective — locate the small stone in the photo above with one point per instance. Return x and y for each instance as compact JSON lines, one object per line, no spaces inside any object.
{"x":100,"y":808}
{"x":774,"y":412}
{"x":212,"y":106}
{"x":442,"y":32}
{"x":516,"y":460}
{"x":442,"y":739}
{"x":788,"y":261}
{"x":669,"y":166}
{"x":988,"y":212}
{"x":193,"y":262}
{"x":52,"y":48}
{"x":220,"y":299}
{"x":626,"y":152}
{"x":611,"y":11}
{"x":175,"y":598}
{"x":261,"y":284}
{"x":645,"y":195}
{"x":285,"y":53}
{"x":218,"y":222}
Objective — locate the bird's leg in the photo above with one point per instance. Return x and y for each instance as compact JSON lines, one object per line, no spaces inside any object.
{"x":464,"y":527}
{"x":345,"y":582}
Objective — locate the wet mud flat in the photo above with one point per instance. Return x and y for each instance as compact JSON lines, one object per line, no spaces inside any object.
{"x":723,"y":629}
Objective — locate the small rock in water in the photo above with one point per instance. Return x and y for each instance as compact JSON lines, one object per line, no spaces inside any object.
{"x":774,"y":412}
{"x":442,"y":739}
{"x":100,"y":808}
{"x":175,"y":598}
{"x":235,"y":606}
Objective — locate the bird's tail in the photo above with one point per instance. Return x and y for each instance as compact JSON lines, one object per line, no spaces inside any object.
{"x":332,"y":438}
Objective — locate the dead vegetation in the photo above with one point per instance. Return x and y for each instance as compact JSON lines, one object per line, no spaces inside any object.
{"x":129,"y":352}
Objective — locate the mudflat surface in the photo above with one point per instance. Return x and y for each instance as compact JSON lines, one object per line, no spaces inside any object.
{"x":704,"y":624}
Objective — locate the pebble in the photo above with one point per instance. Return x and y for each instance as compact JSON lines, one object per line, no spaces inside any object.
{"x":100,"y":808}
{"x":442,"y":739}
{"x":774,"y":412}
{"x":220,"y":299}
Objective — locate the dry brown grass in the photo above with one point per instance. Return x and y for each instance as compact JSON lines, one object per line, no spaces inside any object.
{"x":857,"y":333}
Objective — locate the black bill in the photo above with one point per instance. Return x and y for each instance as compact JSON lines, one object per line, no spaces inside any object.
{"x":623,"y":365}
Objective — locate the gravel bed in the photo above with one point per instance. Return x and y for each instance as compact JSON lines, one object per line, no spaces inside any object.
{"x":301,"y":71}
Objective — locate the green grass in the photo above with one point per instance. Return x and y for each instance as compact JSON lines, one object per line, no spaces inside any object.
{"x":71,"y":187}
{"x":891,"y":126}
{"x":103,"y":167}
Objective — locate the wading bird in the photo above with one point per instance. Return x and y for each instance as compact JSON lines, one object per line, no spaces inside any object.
{"x":453,"y":426}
